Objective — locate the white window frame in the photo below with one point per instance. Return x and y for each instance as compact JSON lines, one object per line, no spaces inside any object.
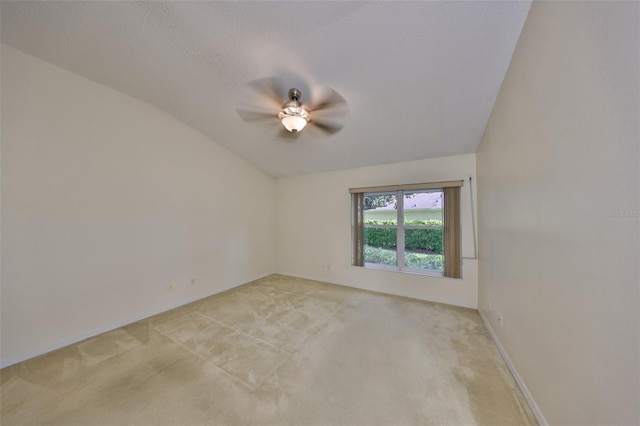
{"x":400,"y":237}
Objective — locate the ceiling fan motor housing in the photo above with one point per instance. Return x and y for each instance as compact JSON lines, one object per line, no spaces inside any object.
{"x":295,"y":94}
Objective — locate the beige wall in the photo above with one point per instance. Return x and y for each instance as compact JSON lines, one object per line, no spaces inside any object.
{"x":558,"y":160}
{"x":106,"y":200}
{"x":314,"y":229}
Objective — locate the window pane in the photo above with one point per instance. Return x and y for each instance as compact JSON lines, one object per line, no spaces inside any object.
{"x":423,"y":249}
{"x":380,"y":246}
{"x":423,"y":208}
{"x":380,"y":256}
{"x":380,"y":209}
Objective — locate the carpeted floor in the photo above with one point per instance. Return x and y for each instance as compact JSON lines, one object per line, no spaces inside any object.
{"x":277,"y":351}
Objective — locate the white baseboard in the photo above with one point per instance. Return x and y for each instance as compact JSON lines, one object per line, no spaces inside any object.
{"x":393,"y":293}
{"x":523,"y":387}
{"x":95,"y":332}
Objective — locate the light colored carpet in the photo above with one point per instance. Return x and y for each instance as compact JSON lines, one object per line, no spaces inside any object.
{"x":277,"y":351}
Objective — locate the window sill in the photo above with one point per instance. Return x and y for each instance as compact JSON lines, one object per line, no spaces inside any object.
{"x":425,"y":272}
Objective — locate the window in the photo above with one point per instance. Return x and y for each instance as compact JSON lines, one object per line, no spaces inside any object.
{"x":412,"y":228}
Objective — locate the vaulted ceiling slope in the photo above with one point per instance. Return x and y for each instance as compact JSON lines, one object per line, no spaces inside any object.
{"x":420,"y":78}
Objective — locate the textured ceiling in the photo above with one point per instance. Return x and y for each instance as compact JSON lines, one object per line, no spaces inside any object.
{"x":420,"y":78}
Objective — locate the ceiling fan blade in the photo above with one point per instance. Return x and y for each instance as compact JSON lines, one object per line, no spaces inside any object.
{"x":270,"y":88}
{"x":330,"y":99}
{"x":327,"y":127}
{"x":253,"y":116}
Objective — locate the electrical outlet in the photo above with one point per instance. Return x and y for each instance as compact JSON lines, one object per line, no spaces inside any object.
{"x":170,"y":287}
{"x":500,"y":320}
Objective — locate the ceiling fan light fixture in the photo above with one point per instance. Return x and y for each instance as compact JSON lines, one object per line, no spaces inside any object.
{"x":294,"y":118}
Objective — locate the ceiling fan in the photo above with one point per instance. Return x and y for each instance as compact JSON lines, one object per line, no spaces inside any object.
{"x":292,"y":113}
